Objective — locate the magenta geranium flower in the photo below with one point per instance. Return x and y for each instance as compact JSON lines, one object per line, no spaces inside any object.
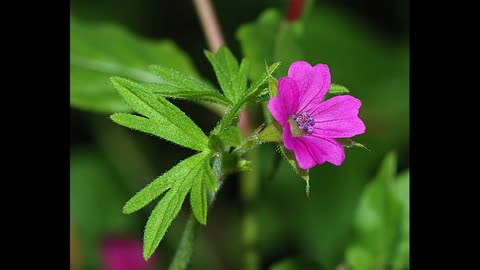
{"x":311,"y":124}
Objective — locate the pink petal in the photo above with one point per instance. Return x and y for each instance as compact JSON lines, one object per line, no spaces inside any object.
{"x":302,"y":154}
{"x":313,"y":83}
{"x":286,"y":103}
{"x":324,"y":149}
{"x":310,"y":150}
{"x":338,"y":118}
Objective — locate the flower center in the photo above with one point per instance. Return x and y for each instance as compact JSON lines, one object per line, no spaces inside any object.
{"x":301,"y":123}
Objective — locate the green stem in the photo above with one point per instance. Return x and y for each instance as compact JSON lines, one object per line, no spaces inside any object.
{"x":184,"y":251}
{"x":229,"y":116}
{"x":249,"y":190}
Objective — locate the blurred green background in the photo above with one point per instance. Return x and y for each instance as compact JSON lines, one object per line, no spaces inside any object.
{"x":356,"y":216}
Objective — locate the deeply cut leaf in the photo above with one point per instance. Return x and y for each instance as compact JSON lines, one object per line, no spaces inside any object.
{"x":191,"y":170}
{"x":168,"y":121}
{"x":241,"y":78}
{"x":162,"y":183}
{"x":199,"y":200}
{"x":181,"y":85}
{"x":226,"y":69}
{"x":204,"y":182}
{"x":163,"y":215}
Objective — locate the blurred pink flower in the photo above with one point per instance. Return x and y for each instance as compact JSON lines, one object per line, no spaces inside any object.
{"x":122,"y":253}
{"x":310,"y":124}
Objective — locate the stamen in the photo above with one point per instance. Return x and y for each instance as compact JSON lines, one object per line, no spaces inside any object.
{"x":304,"y":121}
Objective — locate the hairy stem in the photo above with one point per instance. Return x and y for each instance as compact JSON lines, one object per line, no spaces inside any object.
{"x":215,"y":39}
{"x":185,"y":248}
{"x":210,"y":25}
{"x":184,"y":251}
{"x":249,"y":190}
{"x":249,"y":180}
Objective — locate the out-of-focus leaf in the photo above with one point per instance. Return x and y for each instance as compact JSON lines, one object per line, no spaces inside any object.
{"x":360,"y":258}
{"x":270,"y":39}
{"x":164,"y":119}
{"x":379,"y":220}
{"x":293,"y":264}
{"x":100,"y":51}
{"x":96,"y":199}
{"x":401,"y":257}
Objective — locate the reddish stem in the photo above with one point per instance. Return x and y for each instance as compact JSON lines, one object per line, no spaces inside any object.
{"x":210,"y":25}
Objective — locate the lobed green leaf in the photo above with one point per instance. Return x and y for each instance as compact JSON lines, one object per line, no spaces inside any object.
{"x":225,"y":66}
{"x":162,"y":183}
{"x":180,"y":85}
{"x":199,"y":200}
{"x":202,"y":184}
{"x":188,"y":172}
{"x":240,"y":80}
{"x":172,"y":91}
{"x":163,"y":215}
{"x":231,"y":77}
{"x":164,"y":119}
